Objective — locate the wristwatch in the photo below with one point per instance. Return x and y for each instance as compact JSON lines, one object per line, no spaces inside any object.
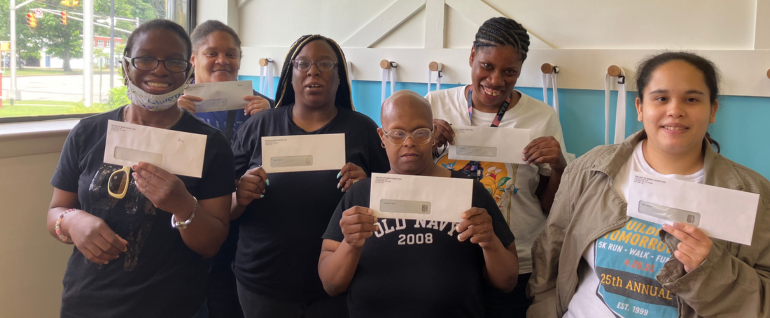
{"x":183,"y":225}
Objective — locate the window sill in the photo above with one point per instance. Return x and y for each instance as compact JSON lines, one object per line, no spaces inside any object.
{"x":32,"y":138}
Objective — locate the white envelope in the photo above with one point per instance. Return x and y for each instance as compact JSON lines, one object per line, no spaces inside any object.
{"x":400,"y":196}
{"x":303,"y":153}
{"x":721,"y":213}
{"x":490,"y":144}
{"x":219,"y":96}
{"x":177,"y":152}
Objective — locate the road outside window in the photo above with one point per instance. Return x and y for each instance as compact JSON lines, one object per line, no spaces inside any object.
{"x":50,"y":61}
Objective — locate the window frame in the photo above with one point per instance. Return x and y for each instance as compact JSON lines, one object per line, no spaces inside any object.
{"x":192,"y":9}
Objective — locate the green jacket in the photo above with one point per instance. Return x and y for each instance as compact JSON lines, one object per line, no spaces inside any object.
{"x":733,"y":281}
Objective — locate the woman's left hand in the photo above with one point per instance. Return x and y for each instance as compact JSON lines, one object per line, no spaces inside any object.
{"x":349,"y":175}
{"x":476,"y":226}
{"x":545,"y":150}
{"x":694,"y":247}
{"x":256,"y":105}
{"x":165,"y":190}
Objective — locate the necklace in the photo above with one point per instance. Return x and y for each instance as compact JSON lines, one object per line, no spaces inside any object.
{"x":125,"y":117}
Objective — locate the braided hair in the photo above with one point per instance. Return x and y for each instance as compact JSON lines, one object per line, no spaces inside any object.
{"x":503,"y":31}
{"x":344,"y":97}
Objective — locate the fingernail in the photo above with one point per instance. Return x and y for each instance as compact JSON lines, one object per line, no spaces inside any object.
{"x":116,"y":256}
{"x":338,"y":185}
{"x":343,"y":190}
{"x":105,"y":263}
{"x":263,"y":191}
{"x":339,"y":174}
{"x":459,"y":239}
{"x":463,"y":216}
{"x":261,"y":196}
{"x":267,"y":181}
{"x":375,"y":219}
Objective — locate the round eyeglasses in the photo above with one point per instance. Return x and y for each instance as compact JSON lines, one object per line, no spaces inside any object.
{"x":398,"y":137}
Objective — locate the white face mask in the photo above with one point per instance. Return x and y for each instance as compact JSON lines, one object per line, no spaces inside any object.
{"x":151,"y":102}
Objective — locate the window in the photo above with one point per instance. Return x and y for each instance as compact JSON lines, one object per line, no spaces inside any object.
{"x":49,"y":54}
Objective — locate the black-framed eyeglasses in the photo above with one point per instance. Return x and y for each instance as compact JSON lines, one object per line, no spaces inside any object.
{"x":398,"y":137}
{"x":323,"y":65}
{"x":146,"y":63}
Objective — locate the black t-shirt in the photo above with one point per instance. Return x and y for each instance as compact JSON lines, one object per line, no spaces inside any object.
{"x":280,"y":234}
{"x":417,"y":268}
{"x":159,"y":276}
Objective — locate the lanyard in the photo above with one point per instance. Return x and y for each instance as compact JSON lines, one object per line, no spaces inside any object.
{"x":475,"y":166}
{"x":500,"y":113}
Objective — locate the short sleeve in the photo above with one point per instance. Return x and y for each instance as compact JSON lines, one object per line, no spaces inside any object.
{"x":483,"y":199}
{"x":333,"y":230}
{"x":218,"y":178}
{"x":68,"y":170}
{"x":358,"y":194}
{"x":243,"y":147}
{"x":378,"y":158}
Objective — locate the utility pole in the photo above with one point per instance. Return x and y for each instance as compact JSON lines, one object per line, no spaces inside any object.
{"x":13,"y":92}
{"x":88,"y":52}
{"x":112,"y":44}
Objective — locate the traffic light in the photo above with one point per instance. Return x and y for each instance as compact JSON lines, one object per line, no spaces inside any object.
{"x":70,"y":3}
{"x":64,"y":17}
{"x":31,"y":20}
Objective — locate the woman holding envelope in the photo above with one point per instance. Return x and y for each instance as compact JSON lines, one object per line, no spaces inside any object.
{"x":405,"y":268}
{"x":524,"y":192}
{"x":216,"y":57}
{"x":141,"y":238}
{"x":283,"y":215}
{"x":594,"y":260}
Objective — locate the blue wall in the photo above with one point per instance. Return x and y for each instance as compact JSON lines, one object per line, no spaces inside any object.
{"x":742,"y":127}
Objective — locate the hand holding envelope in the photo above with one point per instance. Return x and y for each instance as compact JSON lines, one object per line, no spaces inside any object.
{"x":219,"y":96}
{"x":303,"y":153}
{"x":420,"y":198}
{"x":177,"y":152}
{"x":492,"y":144}
{"x":720,"y":213}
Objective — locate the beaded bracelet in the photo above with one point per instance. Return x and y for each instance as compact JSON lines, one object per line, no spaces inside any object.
{"x":62,"y":237}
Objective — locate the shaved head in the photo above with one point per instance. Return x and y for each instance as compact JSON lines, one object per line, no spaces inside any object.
{"x":406,"y":112}
{"x":405,"y":104}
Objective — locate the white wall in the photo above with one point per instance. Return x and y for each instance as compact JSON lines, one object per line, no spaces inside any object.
{"x":567,"y":24}
{"x":33,"y":262}
{"x":582,"y":37}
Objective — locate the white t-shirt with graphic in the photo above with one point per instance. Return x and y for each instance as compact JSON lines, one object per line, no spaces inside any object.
{"x":619,"y":280}
{"x":512,"y":185}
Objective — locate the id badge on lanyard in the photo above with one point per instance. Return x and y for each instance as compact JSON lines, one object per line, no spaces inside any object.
{"x":476,"y":165}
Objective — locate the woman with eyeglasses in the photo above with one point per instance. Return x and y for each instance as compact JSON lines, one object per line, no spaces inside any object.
{"x":406,"y":268}
{"x":141,"y":237}
{"x":283,"y":215}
